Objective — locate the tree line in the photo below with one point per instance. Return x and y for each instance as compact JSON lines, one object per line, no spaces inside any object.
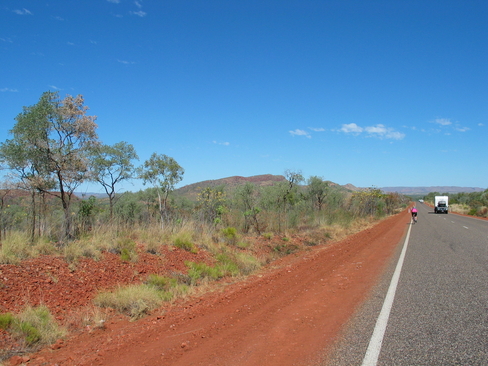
{"x":54,"y":149}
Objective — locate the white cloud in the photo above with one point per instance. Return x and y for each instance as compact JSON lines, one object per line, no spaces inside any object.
{"x":139,"y":13}
{"x":8,"y":90}
{"x":298,"y":132}
{"x":447,"y":123}
{"x":351,"y":128}
{"x":24,"y":11}
{"x":221,"y":143}
{"x":383,"y":132}
{"x":319,"y":129}
{"x":138,"y":4}
{"x":443,"y":121}
{"x":378,"y":131}
{"x":114,"y":1}
{"x":54,"y":87}
{"x":480,"y":124}
{"x":126,"y":62}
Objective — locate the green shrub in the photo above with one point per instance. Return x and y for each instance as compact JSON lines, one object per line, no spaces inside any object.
{"x":227,"y":265}
{"x":198,"y":271}
{"x":6,"y":320}
{"x":32,"y":334}
{"x":230,"y":235}
{"x":268,"y":236}
{"x":473,"y":212}
{"x":35,"y":326}
{"x":127,"y":249}
{"x":160,"y":282}
{"x":184,"y":241}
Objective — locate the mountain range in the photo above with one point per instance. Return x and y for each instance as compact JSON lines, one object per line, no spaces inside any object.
{"x":191,"y":190}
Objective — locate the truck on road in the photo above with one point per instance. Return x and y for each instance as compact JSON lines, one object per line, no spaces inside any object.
{"x":441,"y":204}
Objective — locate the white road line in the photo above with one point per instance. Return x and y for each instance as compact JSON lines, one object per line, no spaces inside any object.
{"x":374,"y":348}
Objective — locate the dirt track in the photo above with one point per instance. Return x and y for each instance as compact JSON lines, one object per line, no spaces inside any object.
{"x":285,"y":315}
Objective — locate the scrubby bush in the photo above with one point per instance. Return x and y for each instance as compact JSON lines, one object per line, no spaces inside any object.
{"x":184,"y":241}
{"x":35,"y":326}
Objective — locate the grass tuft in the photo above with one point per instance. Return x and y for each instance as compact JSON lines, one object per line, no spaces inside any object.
{"x":35,"y":326}
{"x":135,"y":301}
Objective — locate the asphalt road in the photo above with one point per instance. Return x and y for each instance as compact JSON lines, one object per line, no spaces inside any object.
{"x":440,"y":310}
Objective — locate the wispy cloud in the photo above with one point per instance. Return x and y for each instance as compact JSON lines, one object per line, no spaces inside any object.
{"x":8,"y":40}
{"x":317,"y":129}
{"x":114,"y":1}
{"x":298,"y":132}
{"x":22,"y":11}
{"x":126,"y":62}
{"x":221,"y":143}
{"x":54,"y":87}
{"x":378,"y":131}
{"x":447,"y":123}
{"x":443,"y":121}
{"x":139,"y":13}
{"x":3,"y":90}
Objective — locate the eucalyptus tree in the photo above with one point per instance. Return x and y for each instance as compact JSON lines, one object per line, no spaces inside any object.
{"x":111,"y":165}
{"x":248,"y":198}
{"x":163,"y":173}
{"x":5,"y":188}
{"x":317,"y":190}
{"x":49,"y":147}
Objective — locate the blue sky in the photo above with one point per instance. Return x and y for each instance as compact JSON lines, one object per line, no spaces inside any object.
{"x":373,"y":93}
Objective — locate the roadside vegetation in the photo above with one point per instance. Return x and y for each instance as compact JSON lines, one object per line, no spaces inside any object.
{"x":54,"y":149}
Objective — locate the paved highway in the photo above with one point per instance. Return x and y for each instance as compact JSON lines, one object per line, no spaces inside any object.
{"x":439,"y":314}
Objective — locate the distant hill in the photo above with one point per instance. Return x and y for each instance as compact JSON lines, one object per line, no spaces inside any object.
{"x":427,"y":190}
{"x":191,"y":190}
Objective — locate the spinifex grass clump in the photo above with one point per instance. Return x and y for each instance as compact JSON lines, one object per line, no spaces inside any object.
{"x":135,"y":300}
{"x":228,"y":264}
{"x":127,"y":248}
{"x":199,"y":271}
{"x":184,"y":241}
{"x":170,"y":287}
{"x":34,"y":326}
{"x":230,"y":235}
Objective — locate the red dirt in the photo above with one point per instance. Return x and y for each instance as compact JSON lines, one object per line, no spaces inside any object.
{"x":287,"y":314}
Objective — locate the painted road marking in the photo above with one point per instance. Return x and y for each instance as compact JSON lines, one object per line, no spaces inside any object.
{"x":374,"y":347}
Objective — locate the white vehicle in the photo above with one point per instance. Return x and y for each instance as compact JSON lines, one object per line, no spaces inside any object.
{"x":441,"y":204}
